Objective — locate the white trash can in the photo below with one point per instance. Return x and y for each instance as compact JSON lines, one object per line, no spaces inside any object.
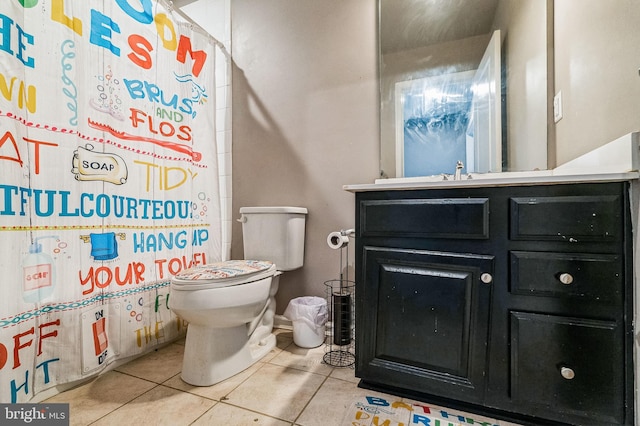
{"x":309,"y":316}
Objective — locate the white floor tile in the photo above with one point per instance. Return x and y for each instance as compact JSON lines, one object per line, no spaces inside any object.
{"x":160,"y":406}
{"x":289,"y":386}
{"x":224,"y":414}
{"x":95,"y":399}
{"x":279,"y":392}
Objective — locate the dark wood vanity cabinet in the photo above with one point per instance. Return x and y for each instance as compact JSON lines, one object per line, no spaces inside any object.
{"x":512,"y":300}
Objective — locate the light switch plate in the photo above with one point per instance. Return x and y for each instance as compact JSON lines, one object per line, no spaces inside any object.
{"x":557,"y":107}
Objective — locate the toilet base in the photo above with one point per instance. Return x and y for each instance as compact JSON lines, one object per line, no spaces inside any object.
{"x":206,"y":362}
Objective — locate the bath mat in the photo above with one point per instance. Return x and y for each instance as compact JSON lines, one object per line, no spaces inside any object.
{"x":378,"y":411}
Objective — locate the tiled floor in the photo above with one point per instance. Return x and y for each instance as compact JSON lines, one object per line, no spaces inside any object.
{"x":290,"y":386}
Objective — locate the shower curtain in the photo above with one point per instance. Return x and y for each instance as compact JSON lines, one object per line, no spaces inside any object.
{"x":108,"y":183}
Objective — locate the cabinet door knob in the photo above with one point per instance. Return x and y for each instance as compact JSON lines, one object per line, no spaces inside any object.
{"x":486,"y":278}
{"x":566,"y":278}
{"x":567,"y":373}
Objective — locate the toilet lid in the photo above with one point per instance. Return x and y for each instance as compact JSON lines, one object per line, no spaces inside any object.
{"x":219,"y":274}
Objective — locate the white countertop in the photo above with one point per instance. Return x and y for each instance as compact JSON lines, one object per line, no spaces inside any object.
{"x":615,"y":161}
{"x":494,"y":179}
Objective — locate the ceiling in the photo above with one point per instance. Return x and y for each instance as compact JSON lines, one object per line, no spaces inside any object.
{"x":409,"y":24}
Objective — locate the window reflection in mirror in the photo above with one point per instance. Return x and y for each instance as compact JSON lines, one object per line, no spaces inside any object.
{"x":433,"y":123}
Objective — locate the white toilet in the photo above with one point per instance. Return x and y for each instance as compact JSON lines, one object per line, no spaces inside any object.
{"x":230,"y":306}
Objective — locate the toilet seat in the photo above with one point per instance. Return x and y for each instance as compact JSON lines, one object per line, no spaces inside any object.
{"x":223,"y":274}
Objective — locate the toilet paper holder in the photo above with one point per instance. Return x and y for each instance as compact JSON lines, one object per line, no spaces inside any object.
{"x":339,"y":239}
{"x":339,"y":340}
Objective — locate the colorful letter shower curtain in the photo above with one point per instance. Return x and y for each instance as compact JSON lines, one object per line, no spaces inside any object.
{"x":108,"y":182}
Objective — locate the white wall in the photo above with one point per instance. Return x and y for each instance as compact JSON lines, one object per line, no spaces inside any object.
{"x":597,"y":57}
{"x":523,"y":26}
{"x":305,"y":119}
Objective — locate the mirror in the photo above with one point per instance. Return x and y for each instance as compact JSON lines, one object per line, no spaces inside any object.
{"x":458,"y":79}
{"x":580,"y":58}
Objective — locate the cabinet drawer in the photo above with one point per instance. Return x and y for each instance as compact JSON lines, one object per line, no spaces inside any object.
{"x":593,"y":276}
{"x":426,"y":218}
{"x":570,"y":219}
{"x":568,"y":366}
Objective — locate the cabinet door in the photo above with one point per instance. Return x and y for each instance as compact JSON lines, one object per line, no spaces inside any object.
{"x":568,"y":368}
{"x":423,"y":321}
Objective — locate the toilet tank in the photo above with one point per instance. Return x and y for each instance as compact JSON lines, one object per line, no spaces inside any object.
{"x":275,"y":234}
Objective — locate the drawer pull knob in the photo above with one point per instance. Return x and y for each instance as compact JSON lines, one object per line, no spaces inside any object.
{"x":486,"y":278}
{"x":567,"y":373}
{"x":566,"y":278}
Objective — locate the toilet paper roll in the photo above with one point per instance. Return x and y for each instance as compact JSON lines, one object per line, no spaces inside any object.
{"x":336,"y":240}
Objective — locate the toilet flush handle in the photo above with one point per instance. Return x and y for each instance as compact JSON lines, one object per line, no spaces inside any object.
{"x":243,"y":219}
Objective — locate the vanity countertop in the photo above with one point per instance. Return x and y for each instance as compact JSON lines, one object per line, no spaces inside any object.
{"x":615,"y":161}
{"x":493,"y":179}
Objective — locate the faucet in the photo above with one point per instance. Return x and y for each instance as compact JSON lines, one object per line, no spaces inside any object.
{"x":459,"y":167}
